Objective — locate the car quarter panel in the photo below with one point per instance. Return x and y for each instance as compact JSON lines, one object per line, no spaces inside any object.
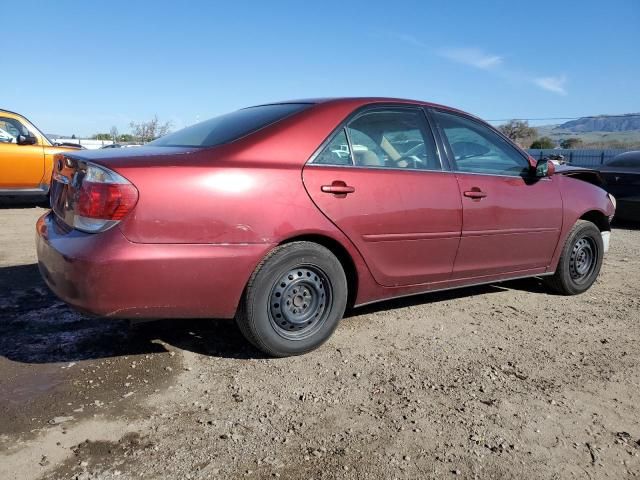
{"x":578,"y":198}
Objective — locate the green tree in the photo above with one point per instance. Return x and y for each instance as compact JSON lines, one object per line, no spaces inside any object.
{"x":102,"y":136}
{"x":542,"y":143}
{"x":518,"y":130}
{"x":571,"y":143}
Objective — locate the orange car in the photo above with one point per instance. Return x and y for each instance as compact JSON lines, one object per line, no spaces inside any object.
{"x":26,"y":156}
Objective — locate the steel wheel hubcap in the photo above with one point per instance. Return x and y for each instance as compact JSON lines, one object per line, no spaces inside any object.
{"x":583,"y":258}
{"x":299,"y":302}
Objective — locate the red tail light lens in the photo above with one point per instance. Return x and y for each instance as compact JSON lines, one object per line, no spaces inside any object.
{"x":102,"y":199}
{"x":106,"y":201}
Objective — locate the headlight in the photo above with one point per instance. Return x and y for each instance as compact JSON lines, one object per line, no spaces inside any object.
{"x":612,"y":199}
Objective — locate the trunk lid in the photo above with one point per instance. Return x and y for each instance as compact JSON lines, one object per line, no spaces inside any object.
{"x":69,"y":169}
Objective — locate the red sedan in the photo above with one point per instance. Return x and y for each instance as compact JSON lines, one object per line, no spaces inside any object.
{"x":281,"y":215}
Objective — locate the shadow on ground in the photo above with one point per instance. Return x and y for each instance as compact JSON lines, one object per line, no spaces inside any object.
{"x":24,"y":202}
{"x":35,"y":327}
{"x":625,"y":225}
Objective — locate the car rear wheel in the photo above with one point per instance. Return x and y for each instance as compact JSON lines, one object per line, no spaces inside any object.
{"x":580,"y":260}
{"x":294,"y":300}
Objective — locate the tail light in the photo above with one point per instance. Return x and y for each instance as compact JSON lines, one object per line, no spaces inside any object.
{"x":91,"y":198}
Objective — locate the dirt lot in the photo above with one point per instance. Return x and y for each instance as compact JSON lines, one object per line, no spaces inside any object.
{"x":504,"y":381}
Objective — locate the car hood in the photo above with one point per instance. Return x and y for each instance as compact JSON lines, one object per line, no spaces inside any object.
{"x":564,"y":168}
{"x":589,"y":175}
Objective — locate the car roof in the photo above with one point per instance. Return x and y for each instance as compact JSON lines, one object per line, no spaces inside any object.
{"x":358,"y":102}
{"x":4,"y":110}
{"x":631,"y":155}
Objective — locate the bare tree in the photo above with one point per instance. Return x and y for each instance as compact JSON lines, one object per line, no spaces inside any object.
{"x":518,"y":130}
{"x":150,"y":130}
{"x":114,"y":134}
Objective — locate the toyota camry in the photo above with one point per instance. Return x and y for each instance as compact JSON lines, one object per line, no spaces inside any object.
{"x":283,"y":215}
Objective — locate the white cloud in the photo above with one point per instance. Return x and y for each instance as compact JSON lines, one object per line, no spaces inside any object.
{"x":474,"y":57}
{"x":552,"y":84}
{"x":478,"y":58}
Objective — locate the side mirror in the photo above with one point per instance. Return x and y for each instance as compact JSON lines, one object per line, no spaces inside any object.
{"x":545,"y":168}
{"x":26,"y":140}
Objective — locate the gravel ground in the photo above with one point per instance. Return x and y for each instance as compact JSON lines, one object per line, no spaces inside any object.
{"x":503,"y":381}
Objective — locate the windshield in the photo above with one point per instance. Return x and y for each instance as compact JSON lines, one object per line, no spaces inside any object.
{"x":229,"y":127}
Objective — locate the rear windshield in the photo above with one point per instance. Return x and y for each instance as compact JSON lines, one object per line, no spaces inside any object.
{"x":229,"y":127}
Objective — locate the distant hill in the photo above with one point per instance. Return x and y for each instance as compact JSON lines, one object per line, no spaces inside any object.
{"x":603,"y":123}
{"x":602,"y":131}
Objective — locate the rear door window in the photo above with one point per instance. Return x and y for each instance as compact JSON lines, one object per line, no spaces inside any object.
{"x":393,"y":138}
{"x":337,"y":151}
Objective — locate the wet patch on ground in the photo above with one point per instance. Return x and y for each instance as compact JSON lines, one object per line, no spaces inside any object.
{"x":60,"y":364}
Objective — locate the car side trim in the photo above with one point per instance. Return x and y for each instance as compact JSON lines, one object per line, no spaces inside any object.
{"x":508,"y":231}
{"x":43,"y":189}
{"x":390,"y":237}
{"x":455,"y":287}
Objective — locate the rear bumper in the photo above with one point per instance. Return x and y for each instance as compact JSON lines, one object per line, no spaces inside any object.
{"x":107,"y":275}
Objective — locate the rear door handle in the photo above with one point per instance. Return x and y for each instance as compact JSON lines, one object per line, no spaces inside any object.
{"x":476,"y":194}
{"x":338,"y":187}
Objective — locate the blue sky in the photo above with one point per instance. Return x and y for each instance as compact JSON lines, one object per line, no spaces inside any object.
{"x":81,"y":67}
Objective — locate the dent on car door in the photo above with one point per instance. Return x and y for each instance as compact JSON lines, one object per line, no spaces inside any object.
{"x":511,"y":219}
{"x":380,"y":181}
{"x":21,"y":166}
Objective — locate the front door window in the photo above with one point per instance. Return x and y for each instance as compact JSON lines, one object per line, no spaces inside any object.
{"x":477,"y":149}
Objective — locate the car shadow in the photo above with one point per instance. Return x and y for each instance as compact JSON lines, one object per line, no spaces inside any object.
{"x":24,"y":202}
{"x":420,"y":299}
{"x":36,"y":327}
{"x":533,"y":285}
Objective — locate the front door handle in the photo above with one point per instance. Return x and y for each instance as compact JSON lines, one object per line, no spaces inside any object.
{"x":475,"y":194}
{"x":338,"y":187}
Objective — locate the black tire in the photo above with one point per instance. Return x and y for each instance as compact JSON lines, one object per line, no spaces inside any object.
{"x":580,"y":260}
{"x":294,"y":300}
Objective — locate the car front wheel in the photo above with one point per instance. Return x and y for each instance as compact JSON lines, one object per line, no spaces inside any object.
{"x":580,"y":260}
{"x":294,"y":300}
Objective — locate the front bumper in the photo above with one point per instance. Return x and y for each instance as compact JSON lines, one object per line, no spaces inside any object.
{"x":606,"y":240}
{"x":106,"y":274}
